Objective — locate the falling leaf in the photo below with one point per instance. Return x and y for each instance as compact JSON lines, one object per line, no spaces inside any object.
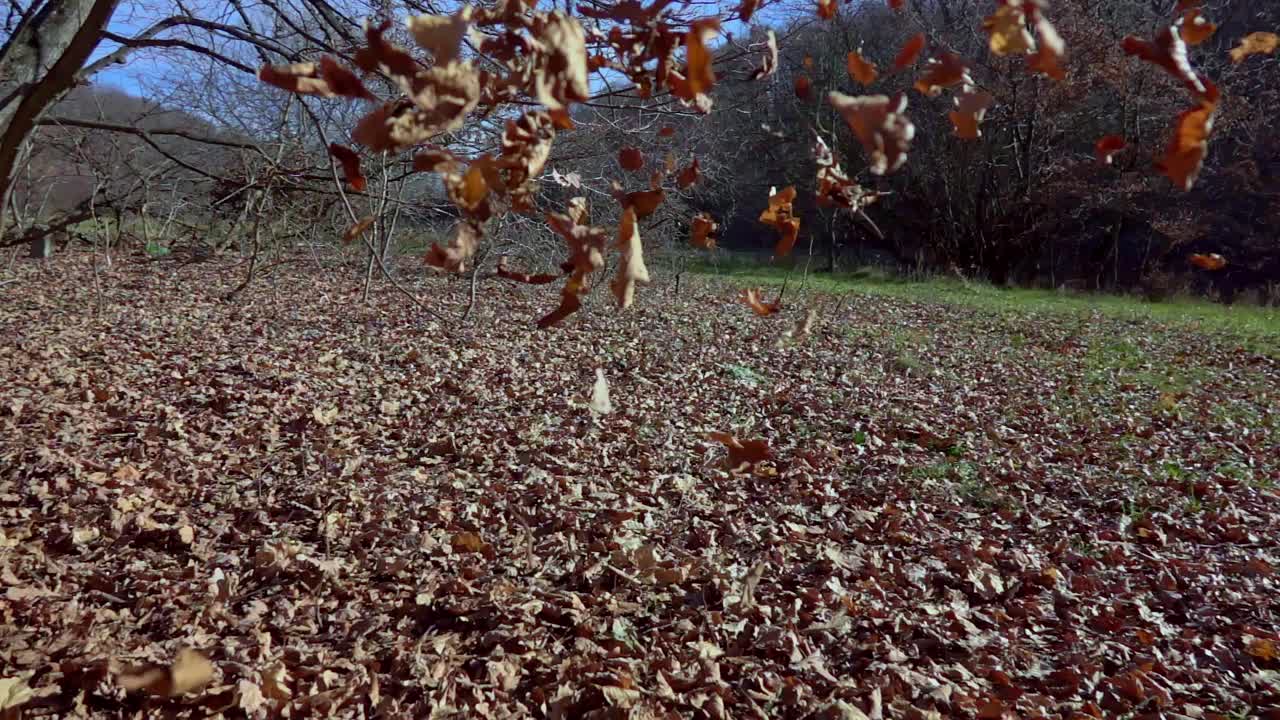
{"x":880,"y":124}
{"x":560,"y":77}
{"x":1195,"y":27}
{"x":689,"y":175}
{"x":747,"y":9}
{"x":600,"y":404}
{"x":943,"y":71}
{"x":631,"y":268}
{"x":751,"y":296}
{"x":666,"y":131}
{"x":702,"y":226}
{"x":860,"y":69}
{"x":442,"y":35}
{"x":1049,"y":56}
{"x":378,"y":55}
{"x":586,"y":255}
{"x":631,"y":159}
{"x":971,"y":108}
{"x":743,"y":452}
{"x":190,"y":671}
{"x":358,"y":227}
{"x":835,"y":188}
{"x":1258,"y":43}
{"x":910,"y":51}
{"x":769,"y":65}
{"x":326,"y":79}
{"x":350,"y":165}
{"x":802,"y":86}
{"x":644,"y":202}
{"x":827,"y":9}
{"x":1107,"y":146}
{"x":778,"y":215}
{"x":1211,"y":261}
{"x":1184,"y":156}
{"x":1169,"y":52}
{"x":1007,"y":30}
{"x":897,"y":4}
{"x":454,"y":256}
{"x":526,"y":278}
{"x":699,"y":73}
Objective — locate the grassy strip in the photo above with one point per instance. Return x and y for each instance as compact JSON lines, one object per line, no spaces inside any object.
{"x":1257,"y":327}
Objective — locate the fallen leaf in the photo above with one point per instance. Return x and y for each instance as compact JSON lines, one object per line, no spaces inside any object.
{"x":751,"y":296}
{"x":743,"y":452}
{"x":190,"y":671}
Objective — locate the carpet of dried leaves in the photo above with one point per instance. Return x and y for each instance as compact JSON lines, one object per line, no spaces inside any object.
{"x":351,"y":513}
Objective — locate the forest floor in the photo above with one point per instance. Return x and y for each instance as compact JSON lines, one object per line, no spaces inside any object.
{"x":358,"y":511}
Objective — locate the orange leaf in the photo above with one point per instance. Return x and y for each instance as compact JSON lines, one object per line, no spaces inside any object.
{"x":1007,"y":30}
{"x":834,"y":186}
{"x":1263,"y":649}
{"x":701,"y":76}
{"x":909,"y":52}
{"x":827,"y":9}
{"x":778,"y":216}
{"x":689,"y":175}
{"x":631,"y":268}
{"x":881,"y":125}
{"x":453,"y":258}
{"x":342,"y":81}
{"x":1107,"y":147}
{"x":1210,"y":262}
{"x":700,"y":232}
{"x":1048,"y":58}
{"x":586,"y":255}
{"x":1196,"y":28}
{"x":526,"y":278}
{"x":802,"y":86}
{"x":860,"y":69}
{"x":354,"y":231}
{"x":1169,"y":52}
{"x":1184,"y":156}
{"x":630,"y":159}
{"x":971,"y":108}
{"x":1259,"y":43}
{"x":743,"y":452}
{"x":747,"y":9}
{"x":350,"y":165}
{"x":944,"y":71}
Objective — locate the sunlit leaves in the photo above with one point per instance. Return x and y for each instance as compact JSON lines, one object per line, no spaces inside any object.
{"x":1007,"y":29}
{"x":699,"y":73}
{"x":860,"y":69}
{"x":1184,"y":156}
{"x":778,"y":215}
{"x":688,"y":176}
{"x":881,"y":125}
{"x":631,"y":267}
{"x":326,"y":79}
{"x":1258,"y":43}
{"x":1169,"y":52}
{"x":910,"y":51}
{"x":1209,"y":261}
{"x":442,"y":35}
{"x":743,"y":454}
{"x":942,"y":71}
{"x":769,"y":64}
{"x":560,"y":75}
{"x":1195,"y":28}
{"x":586,"y":255}
{"x":1107,"y":147}
{"x":834,"y":186}
{"x":700,"y":232}
{"x":971,"y":108}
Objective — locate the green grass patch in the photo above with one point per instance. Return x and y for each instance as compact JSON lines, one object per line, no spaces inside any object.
{"x":1258,"y":328}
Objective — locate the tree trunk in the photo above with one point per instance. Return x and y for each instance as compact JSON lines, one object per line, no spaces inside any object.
{"x":38,"y":65}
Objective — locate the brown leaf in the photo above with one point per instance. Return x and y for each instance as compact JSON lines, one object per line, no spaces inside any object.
{"x":880,"y":124}
{"x":360,"y":226}
{"x":1262,"y":649}
{"x":586,"y":254}
{"x":699,"y":72}
{"x":631,"y":268}
{"x":1211,"y":261}
{"x":747,"y":9}
{"x":860,"y":69}
{"x":442,"y":35}
{"x":453,"y":258}
{"x":910,"y":51}
{"x":1183,"y":158}
{"x":1007,"y":30}
{"x":1169,"y":52}
{"x":1049,"y":56}
{"x":1258,"y":43}
{"x":834,"y":186}
{"x":802,"y":86}
{"x":769,"y":65}
{"x":560,"y":76}
{"x":666,"y":131}
{"x":631,"y":159}
{"x":382,"y":56}
{"x":943,"y":71}
{"x":467,"y":542}
{"x":644,"y":202}
{"x":350,"y":165}
{"x":778,"y":215}
{"x":190,"y":671}
{"x":688,"y":176}
{"x":326,"y":79}
{"x":827,"y":9}
{"x":1195,"y":27}
{"x":526,"y":278}
{"x":751,"y":296}
{"x":1106,"y":148}
{"x":701,"y":228}
{"x":971,"y":108}
{"x":743,"y":452}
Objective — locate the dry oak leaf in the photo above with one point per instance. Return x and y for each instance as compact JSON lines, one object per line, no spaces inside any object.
{"x":453,"y":258}
{"x":467,"y":542}
{"x":1211,"y":261}
{"x":880,"y":124}
{"x":1195,"y":28}
{"x":631,"y":159}
{"x":1049,"y":56}
{"x":971,"y":109}
{"x":699,"y":72}
{"x":1262,"y":648}
{"x":747,"y":9}
{"x":526,"y":147}
{"x":1007,"y":29}
{"x":360,"y":226}
{"x":897,"y":4}
{"x":350,"y":165}
{"x":600,"y":403}
{"x":644,"y":202}
{"x":1106,"y":148}
{"x":910,"y":51}
{"x":442,"y":35}
{"x":1184,"y":156}
{"x":860,"y":69}
{"x":441,"y":99}
{"x":526,"y":278}
{"x":1168,"y":51}
{"x":190,"y":671}
{"x":827,"y":9}
{"x":778,"y":215}
{"x":701,"y":228}
{"x":834,"y":186}
{"x":743,"y":452}
{"x":378,"y":55}
{"x":751,"y":296}
{"x":943,"y":71}
{"x":1258,"y":43}
{"x":688,"y":176}
{"x":769,"y":65}
{"x":560,"y":76}
{"x":326,"y":79}
{"x":631,"y":268}
{"x":586,"y":254}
